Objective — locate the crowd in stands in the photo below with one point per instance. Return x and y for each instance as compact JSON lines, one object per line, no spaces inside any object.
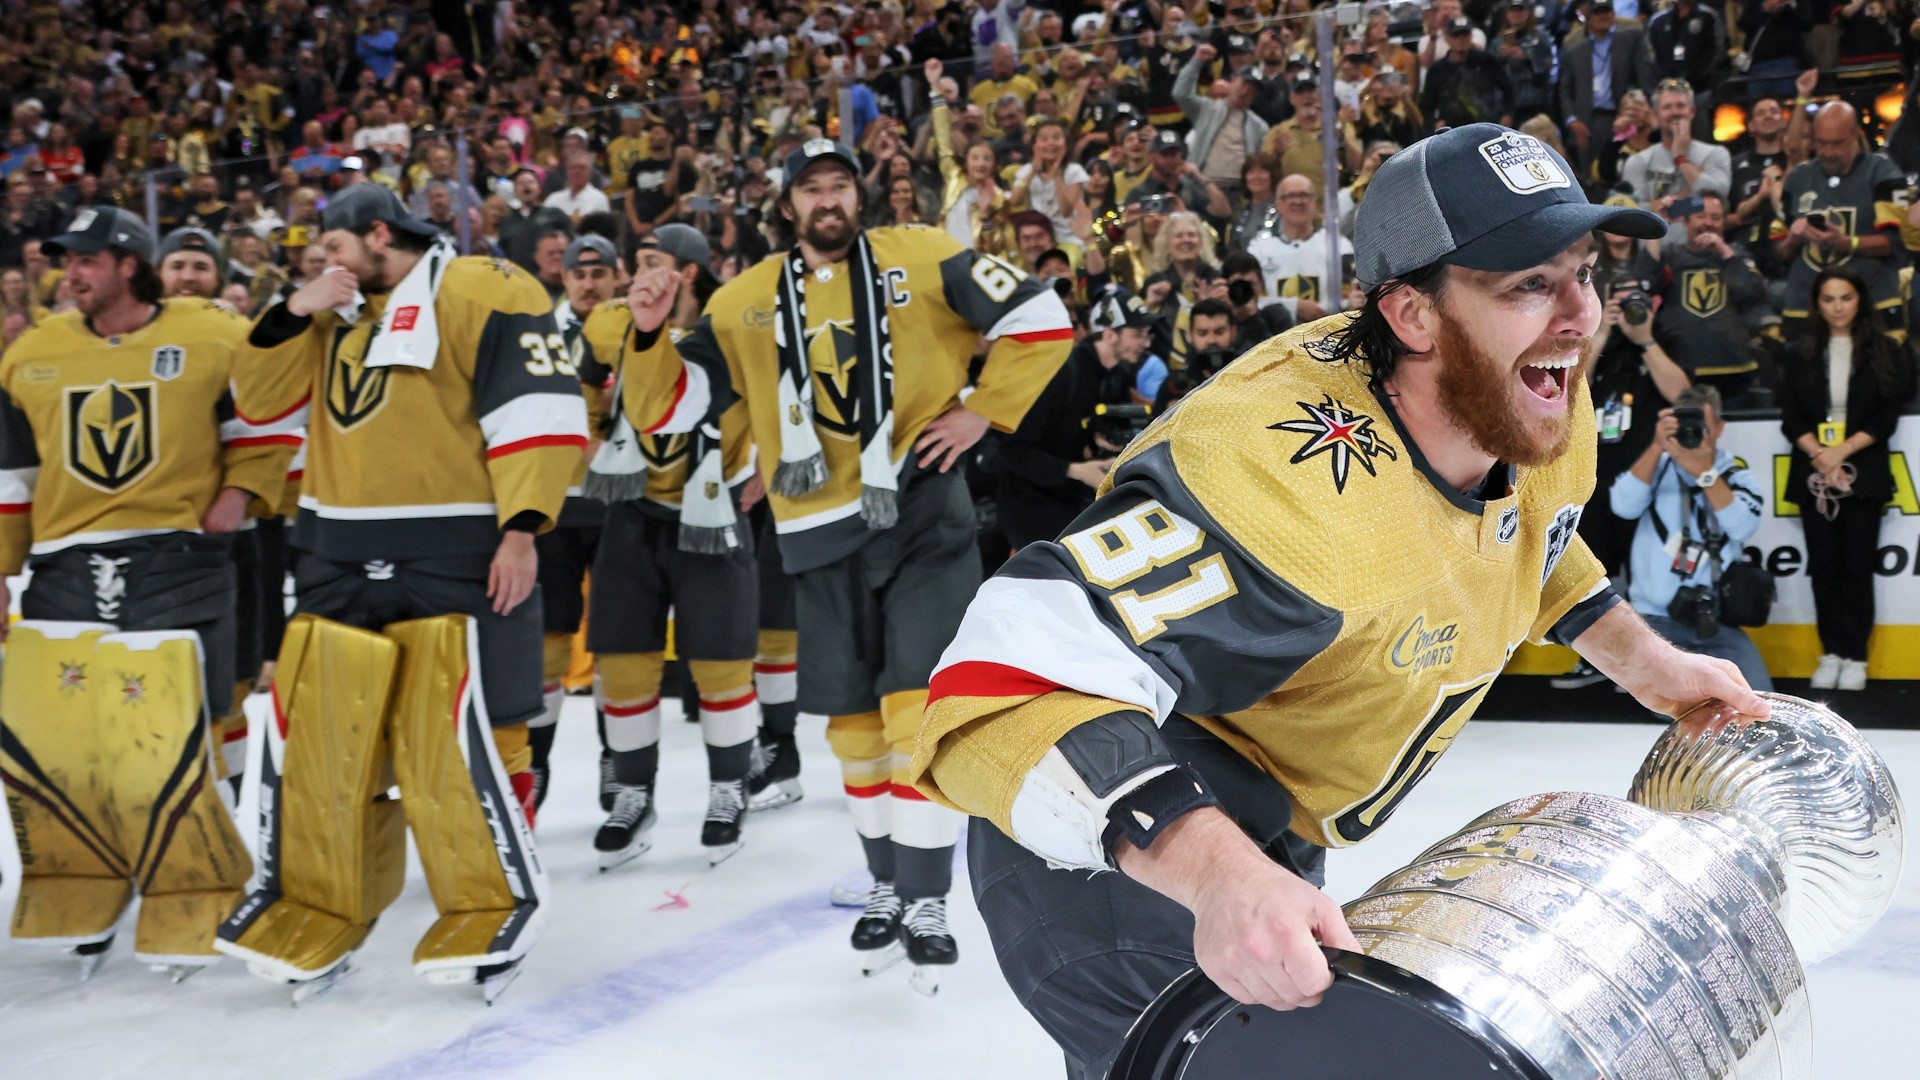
{"x":1165,"y":166}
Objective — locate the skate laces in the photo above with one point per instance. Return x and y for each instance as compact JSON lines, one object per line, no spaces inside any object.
{"x":881,"y":902}
{"x":724,"y":801}
{"x":927,"y":918}
{"x":630,"y":804}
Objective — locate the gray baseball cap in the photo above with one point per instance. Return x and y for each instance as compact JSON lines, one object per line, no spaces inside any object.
{"x":363,"y":204}
{"x":815,"y":151}
{"x":683,"y":242}
{"x":95,"y":228}
{"x":590,"y":250}
{"x":1484,"y":197}
{"x":193,"y":239}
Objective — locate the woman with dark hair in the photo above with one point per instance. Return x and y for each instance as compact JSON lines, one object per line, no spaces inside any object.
{"x":1840,"y":401}
{"x":1098,"y":194}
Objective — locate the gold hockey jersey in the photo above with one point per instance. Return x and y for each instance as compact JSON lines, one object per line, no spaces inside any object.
{"x":941,"y":298}
{"x":1274,"y":559}
{"x":406,"y":462}
{"x":669,"y":458}
{"x":109,"y":438}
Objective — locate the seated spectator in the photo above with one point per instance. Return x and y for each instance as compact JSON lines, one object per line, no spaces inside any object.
{"x":1714,"y":302}
{"x":1050,"y":465}
{"x":520,"y":230}
{"x":1295,"y":257}
{"x":1841,"y":398}
{"x":1695,"y":505}
{"x":1679,"y":165}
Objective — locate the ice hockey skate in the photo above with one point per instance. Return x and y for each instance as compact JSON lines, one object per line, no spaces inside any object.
{"x":877,"y":935}
{"x":775,"y":779}
{"x":608,"y":785}
{"x":929,"y":944}
{"x":91,"y":955}
{"x":627,"y":833}
{"x":492,"y":979}
{"x":726,"y":812}
{"x":304,"y":992}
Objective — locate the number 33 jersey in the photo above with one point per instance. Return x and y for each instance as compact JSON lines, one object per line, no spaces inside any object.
{"x":431,"y":456}
{"x":1276,"y":560}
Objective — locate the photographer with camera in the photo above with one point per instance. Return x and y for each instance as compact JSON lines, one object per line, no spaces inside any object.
{"x":1256,"y":316}
{"x":1714,"y":300}
{"x":1695,"y":504}
{"x":1050,"y":465}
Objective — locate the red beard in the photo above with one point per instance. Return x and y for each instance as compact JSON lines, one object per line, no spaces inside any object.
{"x":1476,"y":390}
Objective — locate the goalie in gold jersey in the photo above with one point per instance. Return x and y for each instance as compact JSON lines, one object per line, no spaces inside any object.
{"x":1291,"y":593}
{"x":447,"y":424}
{"x":127,"y":461}
{"x":850,"y":354}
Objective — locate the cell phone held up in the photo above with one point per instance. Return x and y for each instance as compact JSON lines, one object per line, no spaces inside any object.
{"x":1817,"y":220}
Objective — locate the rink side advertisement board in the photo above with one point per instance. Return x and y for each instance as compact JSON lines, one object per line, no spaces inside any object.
{"x":1789,"y":643}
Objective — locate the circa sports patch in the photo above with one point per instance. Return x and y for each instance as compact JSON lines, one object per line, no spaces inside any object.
{"x":1524,"y":164}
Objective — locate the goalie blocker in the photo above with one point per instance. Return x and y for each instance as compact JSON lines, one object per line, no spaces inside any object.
{"x":356,"y":713}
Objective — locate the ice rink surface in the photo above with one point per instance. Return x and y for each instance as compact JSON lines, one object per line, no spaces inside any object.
{"x":667,"y":969}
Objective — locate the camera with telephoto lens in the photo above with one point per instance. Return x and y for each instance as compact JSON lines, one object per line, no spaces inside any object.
{"x":1693,"y":426}
{"x":1118,"y":425}
{"x":1695,"y":607}
{"x":1240,"y":292}
{"x":1636,"y":307}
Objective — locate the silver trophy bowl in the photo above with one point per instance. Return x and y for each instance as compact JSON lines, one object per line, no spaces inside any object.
{"x":1662,"y":935}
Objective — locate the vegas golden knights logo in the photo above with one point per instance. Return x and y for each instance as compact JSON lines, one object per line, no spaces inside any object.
{"x":662,"y":452}
{"x":832,"y":350}
{"x":111,"y":433}
{"x":354,"y":391}
{"x":1301,"y":287}
{"x":1838,"y":217}
{"x":1703,"y":292}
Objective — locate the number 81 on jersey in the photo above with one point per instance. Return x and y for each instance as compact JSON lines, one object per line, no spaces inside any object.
{"x":1137,"y":542}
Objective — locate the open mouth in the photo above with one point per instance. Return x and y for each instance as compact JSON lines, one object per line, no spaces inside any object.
{"x":1547,"y":378}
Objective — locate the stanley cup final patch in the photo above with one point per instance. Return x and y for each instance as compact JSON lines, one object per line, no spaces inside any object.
{"x":1524,"y":163}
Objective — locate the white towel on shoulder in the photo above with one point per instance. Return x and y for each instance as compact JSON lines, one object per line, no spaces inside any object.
{"x":409,"y":333}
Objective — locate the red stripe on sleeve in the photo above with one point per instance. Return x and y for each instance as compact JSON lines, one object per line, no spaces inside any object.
{"x":266,"y":440}
{"x":679,"y":392}
{"x":1063,"y":333}
{"x":980,"y":678}
{"x":578,"y":442}
{"x":729,"y":704}
{"x":15,"y":508}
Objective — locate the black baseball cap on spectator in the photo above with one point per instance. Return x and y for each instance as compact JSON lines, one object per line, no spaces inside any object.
{"x":817,"y":151}
{"x":683,"y":242}
{"x":1303,"y":83}
{"x":1480,"y":196}
{"x":590,"y":251}
{"x":1168,"y":142}
{"x":1118,"y":308}
{"x":361,"y":205}
{"x":97,"y":228}
{"x":1600,"y":7}
{"x":1458,"y":25}
{"x":192,"y":239}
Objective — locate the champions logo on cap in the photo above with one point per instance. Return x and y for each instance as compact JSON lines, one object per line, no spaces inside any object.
{"x":1524,"y":163}
{"x":81,"y":220}
{"x":816,"y":147}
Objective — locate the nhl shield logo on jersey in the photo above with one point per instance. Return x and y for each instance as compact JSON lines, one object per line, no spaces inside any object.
{"x":1509,"y":526}
{"x":111,"y":434}
{"x":1342,"y":434}
{"x":1565,"y":525}
{"x":168,"y":362}
{"x":1703,"y":292}
{"x":1523,"y":163}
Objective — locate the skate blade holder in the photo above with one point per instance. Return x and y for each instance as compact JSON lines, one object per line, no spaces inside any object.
{"x":1376,"y":1020}
{"x":720,"y":854}
{"x":925,"y":979}
{"x":875,"y":961}
{"x":306,"y":990}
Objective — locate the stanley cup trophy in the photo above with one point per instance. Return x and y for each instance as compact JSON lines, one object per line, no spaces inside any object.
{"x":1573,"y":936}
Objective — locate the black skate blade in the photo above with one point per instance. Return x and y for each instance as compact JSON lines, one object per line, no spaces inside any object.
{"x":875,"y":961}
{"x":495,"y":983}
{"x":315,"y":987}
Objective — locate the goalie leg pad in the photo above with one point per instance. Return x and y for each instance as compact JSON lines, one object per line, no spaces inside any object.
{"x":74,"y":874}
{"x":156,"y":753}
{"x":473,"y":838}
{"x":332,"y":846}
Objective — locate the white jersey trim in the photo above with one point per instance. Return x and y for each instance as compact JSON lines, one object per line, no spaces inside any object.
{"x":387,"y":513}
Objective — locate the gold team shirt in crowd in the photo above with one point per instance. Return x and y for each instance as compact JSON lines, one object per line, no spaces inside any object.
{"x":941,"y":298}
{"x":1276,"y":560}
{"x":669,"y":458}
{"x":404,"y":462}
{"x":104,"y":439}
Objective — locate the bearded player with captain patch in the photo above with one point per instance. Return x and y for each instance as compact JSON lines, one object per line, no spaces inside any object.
{"x":1290,"y":595}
